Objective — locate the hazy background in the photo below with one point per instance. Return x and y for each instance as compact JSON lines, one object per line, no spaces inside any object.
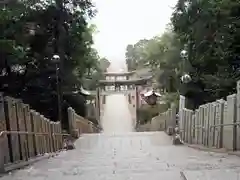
{"x":123,"y":22}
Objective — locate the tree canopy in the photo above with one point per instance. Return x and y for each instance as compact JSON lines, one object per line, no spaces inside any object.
{"x":209,"y":32}
{"x":91,"y":81}
{"x":30,"y":34}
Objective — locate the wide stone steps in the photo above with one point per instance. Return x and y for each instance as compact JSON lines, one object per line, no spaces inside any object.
{"x":136,"y":156}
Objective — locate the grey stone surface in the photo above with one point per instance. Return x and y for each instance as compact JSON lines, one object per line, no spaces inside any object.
{"x":123,"y":155}
{"x":117,"y":116}
{"x":177,"y":140}
{"x":69,"y":145}
{"x":131,"y":156}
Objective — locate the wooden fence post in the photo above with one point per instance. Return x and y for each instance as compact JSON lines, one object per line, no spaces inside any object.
{"x":47,"y":136}
{"x":21,"y":127}
{"x":11,"y":119}
{"x":212,"y":119}
{"x":183,"y":124}
{"x":35,"y":124}
{"x":4,"y":156}
{"x":53,"y":137}
{"x":4,"y":148}
{"x":238,"y":116}
{"x":229,"y":132}
{"x":219,"y":120}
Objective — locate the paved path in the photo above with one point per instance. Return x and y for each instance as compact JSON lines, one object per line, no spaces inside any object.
{"x":131,"y":156}
{"x":126,"y":155}
{"x":116,"y":117}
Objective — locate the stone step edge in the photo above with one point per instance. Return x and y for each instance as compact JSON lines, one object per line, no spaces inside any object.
{"x":21,"y":164}
{"x":216,"y":150}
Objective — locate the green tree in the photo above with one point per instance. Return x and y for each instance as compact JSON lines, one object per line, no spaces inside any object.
{"x":135,"y":55}
{"x":162,"y":55}
{"x":104,"y":64}
{"x":210,"y":30}
{"x":91,"y":82}
{"x":26,"y":66}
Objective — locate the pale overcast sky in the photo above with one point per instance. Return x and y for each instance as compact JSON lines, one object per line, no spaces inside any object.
{"x":123,"y":22}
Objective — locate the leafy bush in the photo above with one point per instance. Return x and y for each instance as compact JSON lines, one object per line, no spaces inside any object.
{"x":146,"y":112}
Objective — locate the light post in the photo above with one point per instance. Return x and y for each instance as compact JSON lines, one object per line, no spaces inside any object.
{"x":56,"y":61}
{"x":30,"y":29}
{"x":185,"y":78}
{"x":59,"y":56}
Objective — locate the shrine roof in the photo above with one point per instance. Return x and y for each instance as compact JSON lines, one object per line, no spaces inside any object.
{"x":118,"y":73}
{"x":150,"y":93}
{"x":125,"y":82}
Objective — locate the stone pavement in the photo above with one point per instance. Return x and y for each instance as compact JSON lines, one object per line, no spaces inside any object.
{"x":131,"y":156}
{"x":116,"y":117}
{"x":119,"y":154}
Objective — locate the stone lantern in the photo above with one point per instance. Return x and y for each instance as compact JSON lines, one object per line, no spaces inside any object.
{"x":151,"y":97}
{"x":30,"y":28}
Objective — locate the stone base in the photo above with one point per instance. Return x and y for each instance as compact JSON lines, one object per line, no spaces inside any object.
{"x":170,"y":131}
{"x":22,"y":164}
{"x":75,"y":134}
{"x":69,"y":145}
{"x":177,"y":140}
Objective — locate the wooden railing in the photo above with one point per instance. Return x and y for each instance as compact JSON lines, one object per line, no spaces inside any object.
{"x":79,"y":125}
{"x":213,"y":125}
{"x":24,"y":133}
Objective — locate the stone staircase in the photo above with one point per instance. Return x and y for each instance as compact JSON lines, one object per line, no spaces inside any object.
{"x":133,"y":155}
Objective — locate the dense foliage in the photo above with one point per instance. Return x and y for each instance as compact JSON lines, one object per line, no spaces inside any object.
{"x":210,"y":28}
{"x":91,"y":80}
{"x":209,"y":31}
{"x":146,"y":112}
{"x":31,"y":32}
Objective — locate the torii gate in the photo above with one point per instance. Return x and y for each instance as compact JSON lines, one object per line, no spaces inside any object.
{"x":122,"y":83}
